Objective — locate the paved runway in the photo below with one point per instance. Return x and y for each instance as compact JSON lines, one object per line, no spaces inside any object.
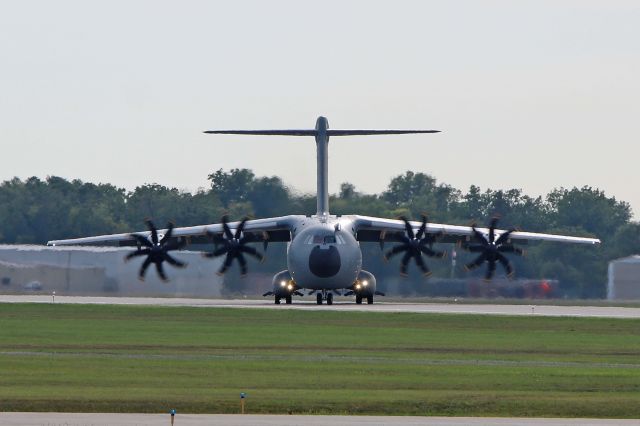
{"x":541,"y":310}
{"x":99,"y":419}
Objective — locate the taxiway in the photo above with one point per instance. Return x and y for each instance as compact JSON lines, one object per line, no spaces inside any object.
{"x":112,"y":419}
{"x":451,"y":308}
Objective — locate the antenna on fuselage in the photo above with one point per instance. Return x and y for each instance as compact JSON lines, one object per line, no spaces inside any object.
{"x":322,"y":133}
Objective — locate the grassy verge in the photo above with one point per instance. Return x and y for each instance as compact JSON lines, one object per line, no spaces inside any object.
{"x":147,"y":359}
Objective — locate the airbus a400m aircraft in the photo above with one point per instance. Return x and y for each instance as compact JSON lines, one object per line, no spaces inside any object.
{"x":323,"y":250}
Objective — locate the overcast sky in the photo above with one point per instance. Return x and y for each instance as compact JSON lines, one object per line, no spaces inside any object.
{"x":532,"y":95}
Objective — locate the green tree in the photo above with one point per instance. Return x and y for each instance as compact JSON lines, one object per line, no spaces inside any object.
{"x":589,"y":209}
{"x":234,"y":186}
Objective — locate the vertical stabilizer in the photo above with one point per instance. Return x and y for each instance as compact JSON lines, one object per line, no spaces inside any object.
{"x":322,"y":161}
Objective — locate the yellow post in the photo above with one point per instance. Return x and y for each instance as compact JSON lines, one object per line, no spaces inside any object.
{"x":242,"y":398}
{"x":173,"y":415}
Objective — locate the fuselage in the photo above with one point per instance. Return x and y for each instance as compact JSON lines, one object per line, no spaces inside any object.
{"x":323,"y":253}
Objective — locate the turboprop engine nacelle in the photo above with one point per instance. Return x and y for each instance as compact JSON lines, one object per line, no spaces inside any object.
{"x":283,"y":284}
{"x":365,"y":285}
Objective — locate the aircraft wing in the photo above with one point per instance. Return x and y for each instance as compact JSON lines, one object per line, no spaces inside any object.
{"x":375,"y":229}
{"x":274,"y":229}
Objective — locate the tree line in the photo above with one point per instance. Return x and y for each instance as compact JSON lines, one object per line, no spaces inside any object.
{"x":33,"y":211}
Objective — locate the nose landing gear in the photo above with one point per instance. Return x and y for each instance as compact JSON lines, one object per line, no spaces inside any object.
{"x":324,"y":295}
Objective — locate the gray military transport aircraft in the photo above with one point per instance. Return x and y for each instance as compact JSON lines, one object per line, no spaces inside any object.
{"x":323,"y":250}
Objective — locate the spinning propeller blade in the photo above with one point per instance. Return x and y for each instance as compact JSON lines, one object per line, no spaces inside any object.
{"x":156,"y":250}
{"x":233,"y":246}
{"x":492,"y":250}
{"x":415,"y":246}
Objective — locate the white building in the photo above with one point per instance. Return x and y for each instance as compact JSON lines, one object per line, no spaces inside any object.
{"x":624,"y":279}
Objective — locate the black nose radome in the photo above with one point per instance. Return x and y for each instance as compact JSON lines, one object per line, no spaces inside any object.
{"x":324,"y":263}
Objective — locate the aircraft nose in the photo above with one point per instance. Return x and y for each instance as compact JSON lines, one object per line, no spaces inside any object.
{"x":324,"y":262}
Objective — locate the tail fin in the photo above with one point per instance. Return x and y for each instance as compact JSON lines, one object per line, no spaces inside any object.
{"x":321,"y":134}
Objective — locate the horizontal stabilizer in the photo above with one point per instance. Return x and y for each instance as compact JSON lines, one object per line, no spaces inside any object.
{"x":311,"y":132}
{"x":265,"y":132}
{"x":376,"y":132}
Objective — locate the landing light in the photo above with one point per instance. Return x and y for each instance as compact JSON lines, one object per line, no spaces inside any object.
{"x":357,"y":286}
{"x":290,"y":287}
{"x":283,"y":283}
{"x":365,"y":283}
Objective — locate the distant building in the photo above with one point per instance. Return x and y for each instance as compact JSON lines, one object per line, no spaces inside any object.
{"x":84,"y":271}
{"x":624,"y":279}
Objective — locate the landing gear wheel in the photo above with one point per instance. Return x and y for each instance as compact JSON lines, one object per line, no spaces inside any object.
{"x":288,"y":299}
{"x":358,"y":299}
{"x":330,"y":299}
{"x":319,"y":298}
{"x":370,"y":300}
{"x":277,"y":300}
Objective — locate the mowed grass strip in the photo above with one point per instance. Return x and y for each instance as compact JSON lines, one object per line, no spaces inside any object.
{"x":148,"y":359}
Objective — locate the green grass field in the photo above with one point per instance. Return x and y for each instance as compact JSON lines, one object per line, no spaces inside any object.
{"x":150,"y":359}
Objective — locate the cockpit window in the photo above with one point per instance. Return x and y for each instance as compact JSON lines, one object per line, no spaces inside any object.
{"x":324,"y":239}
{"x":329,"y":239}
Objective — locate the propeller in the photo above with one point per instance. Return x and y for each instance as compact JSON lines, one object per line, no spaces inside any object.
{"x":157,"y":250}
{"x":492,"y":250}
{"x":414,"y":246}
{"x":234,"y":246}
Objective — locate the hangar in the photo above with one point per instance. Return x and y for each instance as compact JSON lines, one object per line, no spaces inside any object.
{"x":624,"y":279}
{"x":84,"y":271}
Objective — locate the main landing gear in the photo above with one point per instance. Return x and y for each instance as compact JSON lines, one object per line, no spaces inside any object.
{"x":324,"y":295}
{"x":288,"y":299}
{"x":360,"y":297}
